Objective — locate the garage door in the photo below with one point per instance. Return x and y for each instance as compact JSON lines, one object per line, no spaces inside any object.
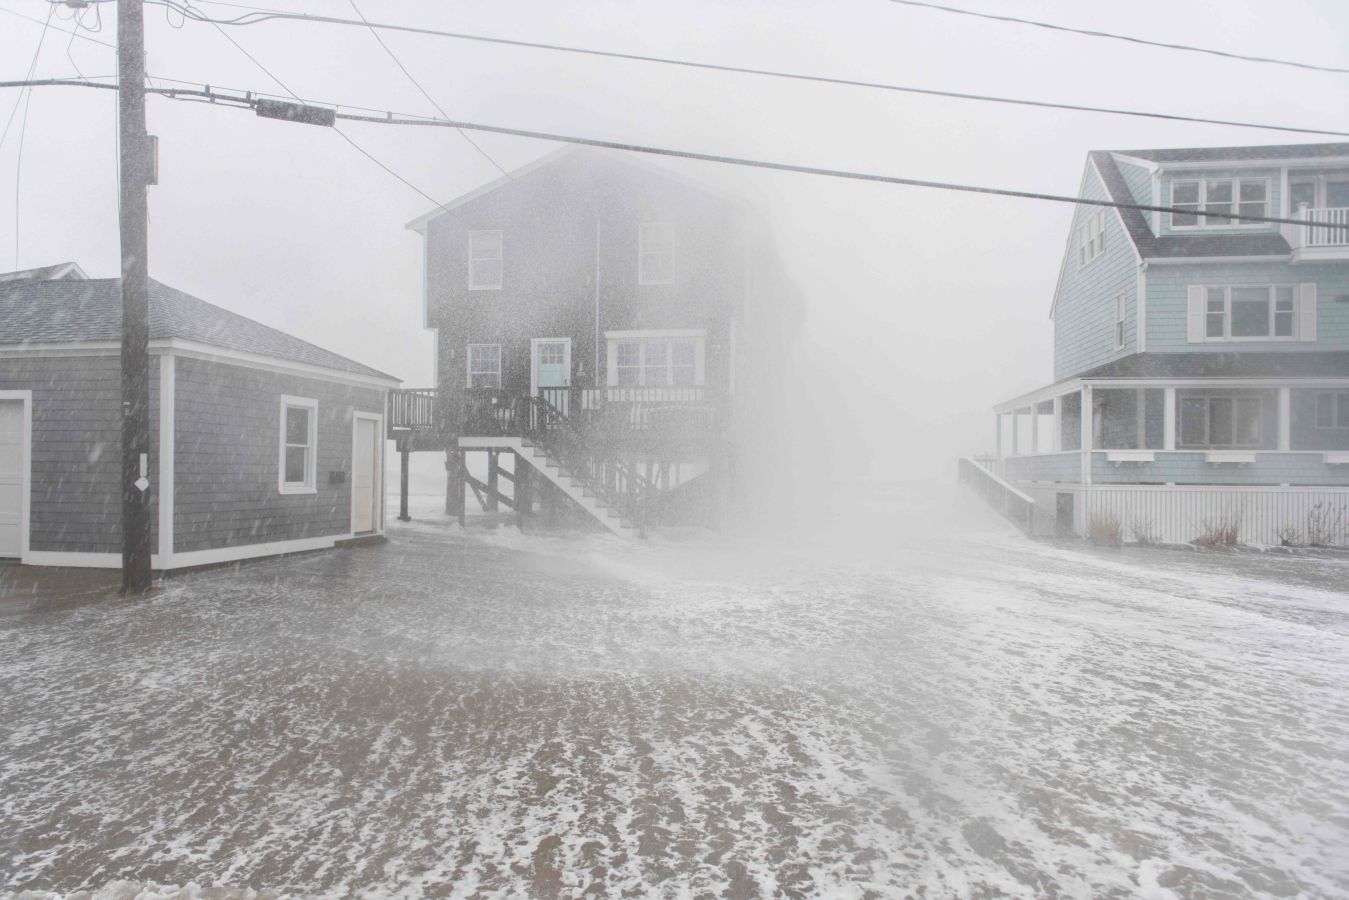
{"x":11,"y":476}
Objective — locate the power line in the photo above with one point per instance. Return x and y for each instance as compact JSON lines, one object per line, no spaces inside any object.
{"x":432,"y":100}
{"x":76,"y":32}
{"x":32,"y":67}
{"x":1189,"y":48}
{"x":23,"y":130}
{"x":250,"y":99}
{"x":262,"y":15}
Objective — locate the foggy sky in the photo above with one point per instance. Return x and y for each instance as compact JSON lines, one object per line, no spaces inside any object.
{"x":924,"y":307}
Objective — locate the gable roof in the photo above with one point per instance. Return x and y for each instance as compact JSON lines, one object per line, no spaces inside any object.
{"x":55,"y":272}
{"x":1180,"y":246}
{"x":630,"y":159}
{"x":80,"y":311}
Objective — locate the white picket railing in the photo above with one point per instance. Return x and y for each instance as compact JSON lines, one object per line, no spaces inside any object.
{"x":1266,"y":516}
{"x":1333,"y":233}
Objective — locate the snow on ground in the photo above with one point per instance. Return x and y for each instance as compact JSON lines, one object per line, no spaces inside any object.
{"x":910,"y":702}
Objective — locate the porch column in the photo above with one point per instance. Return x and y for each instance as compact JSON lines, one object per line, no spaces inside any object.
{"x":1016,"y":432}
{"x":1057,"y":439}
{"x":997,"y":433}
{"x":1285,"y":419}
{"x":1086,"y":426}
{"x":1034,"y":428}
{"x":1169,"y":419}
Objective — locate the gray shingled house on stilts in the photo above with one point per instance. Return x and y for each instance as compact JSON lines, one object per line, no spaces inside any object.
{"x":265,"y":444}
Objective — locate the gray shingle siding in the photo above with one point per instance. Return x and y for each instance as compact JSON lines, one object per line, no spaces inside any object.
{"x":1084,"y":310}
{"x":76,"y":449}
{"x":226,"y":457}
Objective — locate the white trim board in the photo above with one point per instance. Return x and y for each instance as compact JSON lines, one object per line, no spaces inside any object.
{"x":379,"y":487}
{"x":25,"y":469}
{"x":168,"y":434}
{"x":161,"y":562}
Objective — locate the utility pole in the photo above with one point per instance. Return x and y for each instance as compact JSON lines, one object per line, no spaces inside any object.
{"x":134,"y":168}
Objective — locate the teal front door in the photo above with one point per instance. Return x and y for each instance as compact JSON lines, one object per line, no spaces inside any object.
{"x":551,"y":370}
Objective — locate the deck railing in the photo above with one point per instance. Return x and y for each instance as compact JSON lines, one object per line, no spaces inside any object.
{"x":1332,"y":229}
{"x":412,"y":408}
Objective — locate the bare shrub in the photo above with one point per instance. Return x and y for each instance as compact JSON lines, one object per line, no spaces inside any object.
{"x":1144,"y":531}
{"x":1289,"y":536}
{"x":1325,"y":525}
{"x":1219,"y":532}
{"x":1105,"y":528}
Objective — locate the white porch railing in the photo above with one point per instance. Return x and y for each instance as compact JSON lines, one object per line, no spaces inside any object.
{"x":1333,"y":233}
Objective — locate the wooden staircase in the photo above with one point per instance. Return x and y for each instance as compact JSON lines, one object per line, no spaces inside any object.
{"x":584,"y":495}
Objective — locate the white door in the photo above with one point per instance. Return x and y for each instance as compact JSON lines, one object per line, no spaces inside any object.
{"x":365,"y":477}
{"x":11,"y":476}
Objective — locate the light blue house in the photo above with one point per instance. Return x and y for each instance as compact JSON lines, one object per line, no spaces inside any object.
{"x":1209,"y":353}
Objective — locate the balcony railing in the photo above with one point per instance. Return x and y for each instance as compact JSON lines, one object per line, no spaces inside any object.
{"x":1331,"y":230}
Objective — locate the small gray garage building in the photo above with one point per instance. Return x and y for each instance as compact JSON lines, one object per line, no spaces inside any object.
{"x":265,"y":444}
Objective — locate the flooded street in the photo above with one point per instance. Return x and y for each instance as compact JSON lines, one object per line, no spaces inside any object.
{"x":487,"y":714}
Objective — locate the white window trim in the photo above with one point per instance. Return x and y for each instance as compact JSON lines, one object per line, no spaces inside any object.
{"x":697,"y":335}
{"x":1272,"y":290}
{"x":473,"y":283}
{"x":1202,"y":224}
{"x":468,"y":365}
{"x":1091,"y":239}
{"x":1121,"y":305}
{"x":310,"y":484}
{"x":1335,"y":423}
{"x":643,"y":252}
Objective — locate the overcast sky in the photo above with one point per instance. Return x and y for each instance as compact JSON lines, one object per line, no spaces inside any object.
{"x":924,"y":307}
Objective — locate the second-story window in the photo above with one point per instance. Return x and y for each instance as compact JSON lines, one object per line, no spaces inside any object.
{"x":484,"y":366}
{"x":1218,"y":202}
{"x":1119,"y":321}
{"x":655,"y":253}
{"x":1091,"y":238}
{"x":1249,"y":312}
{"x":484,"y":260}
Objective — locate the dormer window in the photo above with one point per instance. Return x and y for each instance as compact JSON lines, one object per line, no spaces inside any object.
{"x":1218,"y":202}
{"x":1091,"y":238}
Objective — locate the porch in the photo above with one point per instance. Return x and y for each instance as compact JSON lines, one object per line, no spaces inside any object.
{"x":620,"y":454}
{"x":1186,"y":432}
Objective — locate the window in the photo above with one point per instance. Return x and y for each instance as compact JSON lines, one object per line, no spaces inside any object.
{"x":651,"y":359}
{"x":1220,"y":421}
{"x":655,"y":253}
{"x":1260,"y":312}
{"x":1218,"y":202}
{"x":1119,"y":321}
{"x":484,"y":260}
{"x":484,"y":366}
{"x":1091,"y":238}
{"x":299,"y":440}
{"x":1332,"y":409}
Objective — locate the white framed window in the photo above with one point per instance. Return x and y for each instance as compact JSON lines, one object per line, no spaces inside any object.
{"x":1219,"y":202}
{"x":298,"y":446}
{"x":484,"y":366}
{"x":1119,"y":321}
{"x":1332,"y":410}
{"x":655,"y":253}
{"x":1091,"y":238}
{"x":1227,"y":421}
{"x":484,"y":260}
{"x":1250,"y":313}
{"x":656,"y":358}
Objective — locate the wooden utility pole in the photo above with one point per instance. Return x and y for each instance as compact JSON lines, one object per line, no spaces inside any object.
{"x":135,"y":170}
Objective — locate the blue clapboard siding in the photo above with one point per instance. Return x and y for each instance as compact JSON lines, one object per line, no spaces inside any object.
{"x":1066,"y":467}
{"x":1139,"y":181}
{"x":1084,"y":304}
{"x":1166,"y":289}
{"x":76,"y":449}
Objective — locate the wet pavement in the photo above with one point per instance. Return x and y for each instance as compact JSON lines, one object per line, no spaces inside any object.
{"x":909,"y":703}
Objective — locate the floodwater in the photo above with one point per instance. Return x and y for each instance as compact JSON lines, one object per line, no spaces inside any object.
{"x":914,"y":701}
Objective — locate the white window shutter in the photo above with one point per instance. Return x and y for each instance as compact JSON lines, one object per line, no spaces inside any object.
{"x":1306,"y":312}
{"x":1194,"y":313}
